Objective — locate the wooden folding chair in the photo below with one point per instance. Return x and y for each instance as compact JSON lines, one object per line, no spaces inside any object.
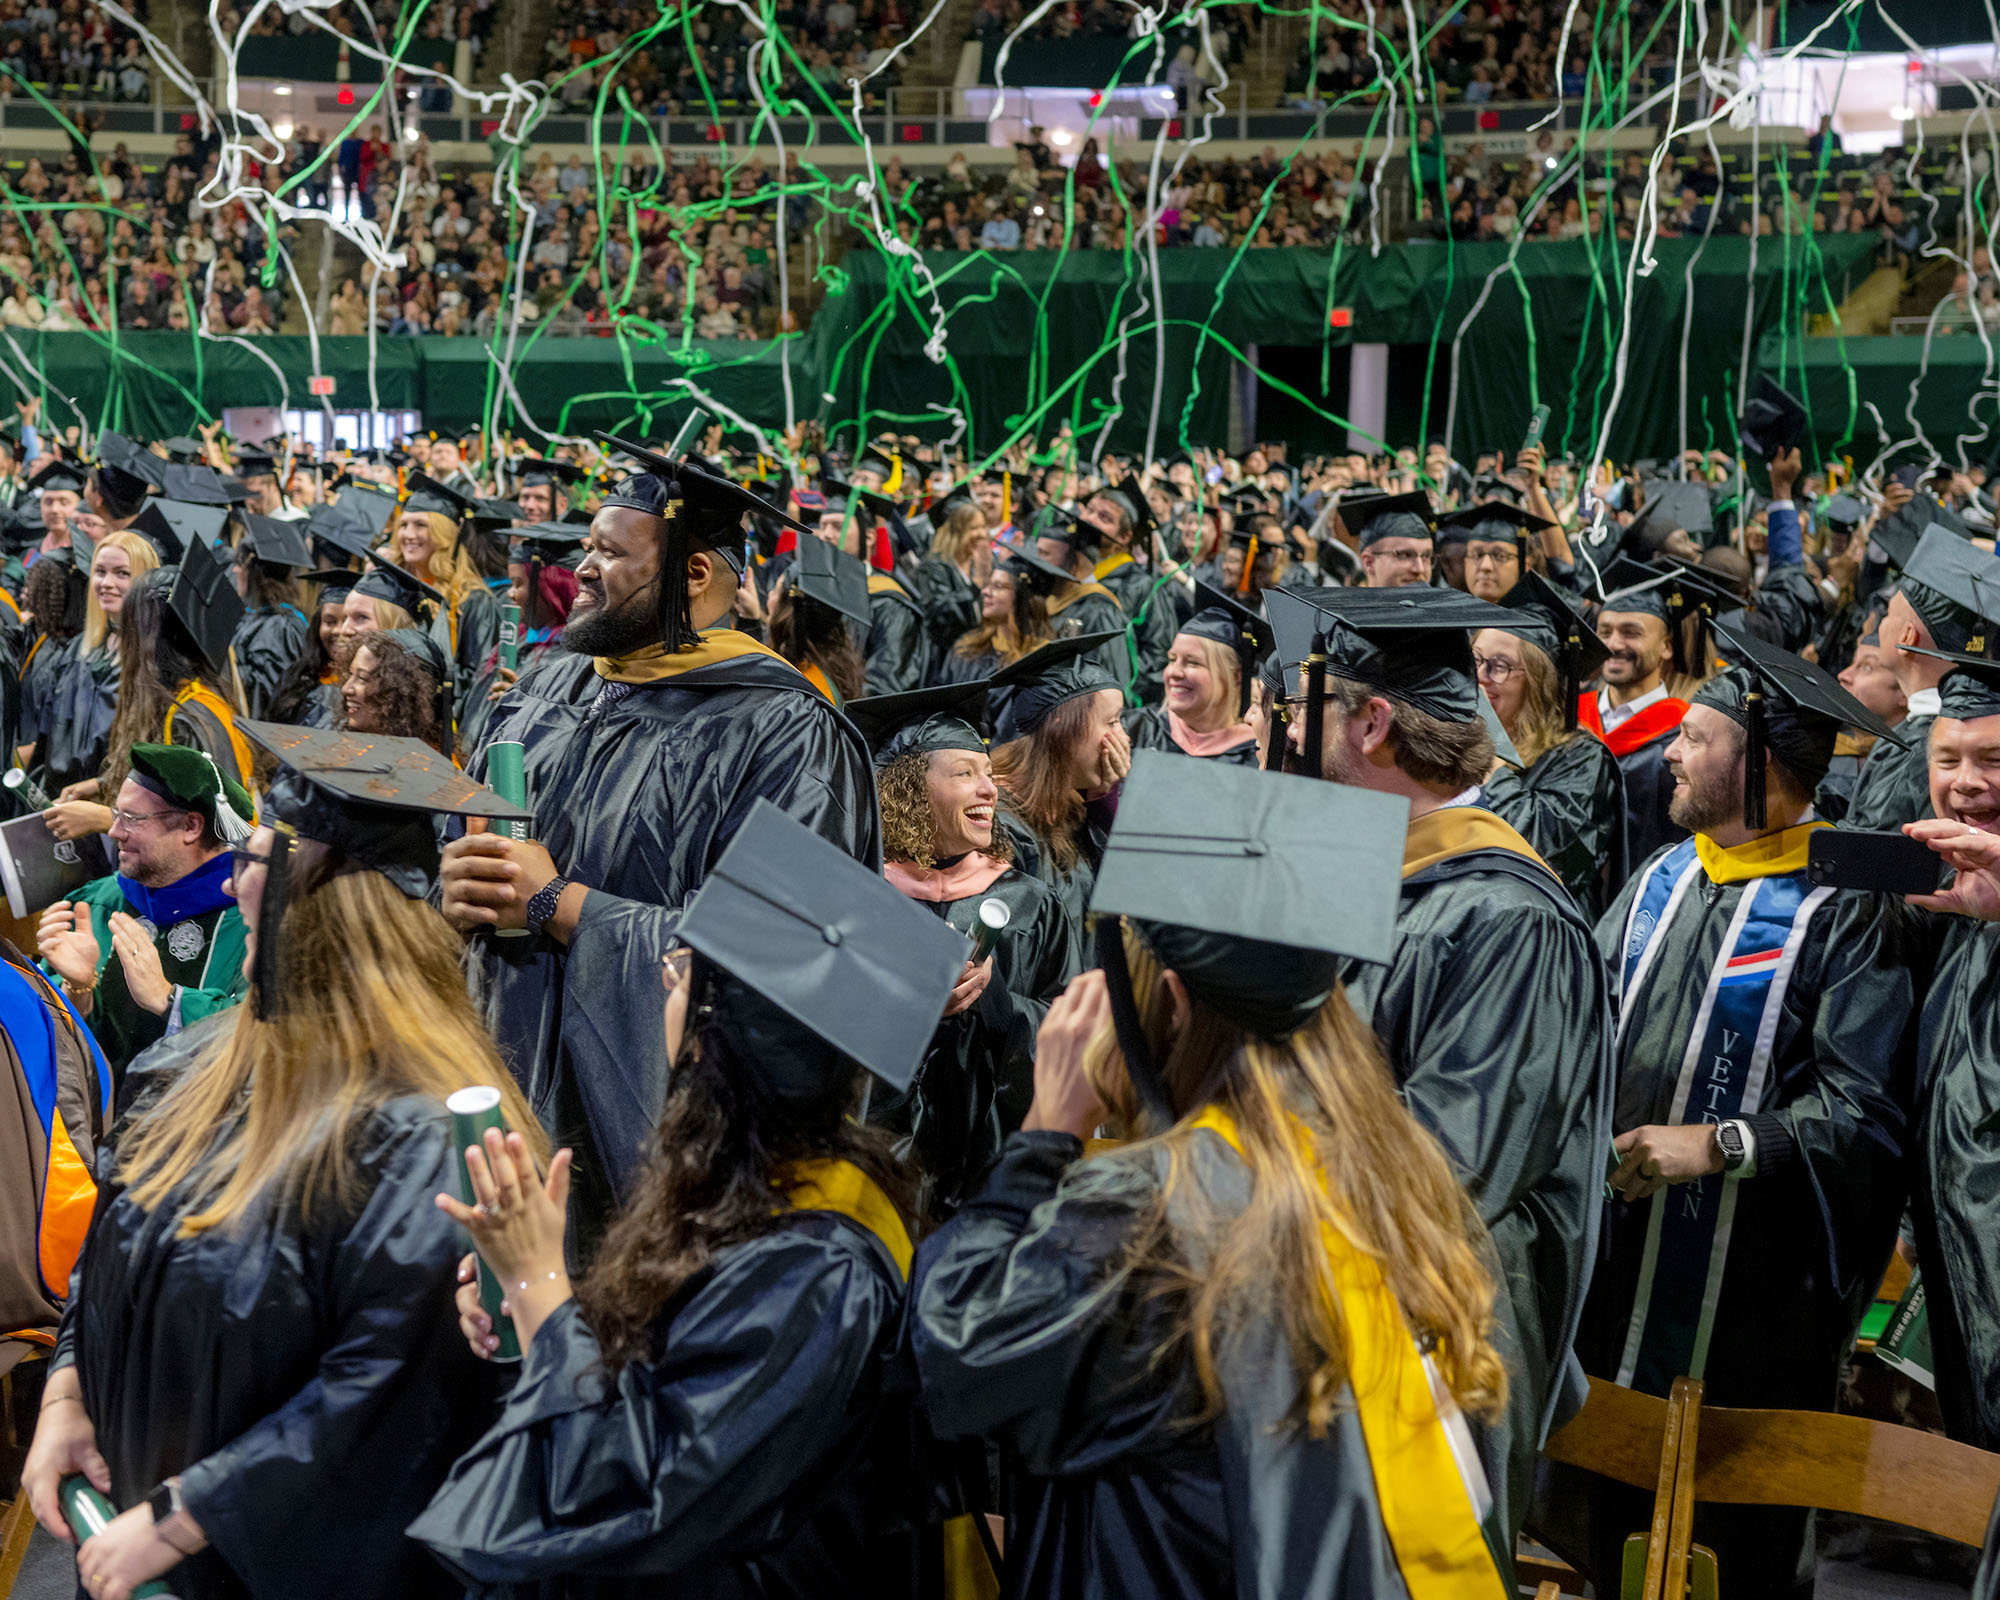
{"x":17,"y":1527}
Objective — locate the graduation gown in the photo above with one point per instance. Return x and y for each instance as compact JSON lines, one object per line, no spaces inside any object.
{"x":978,"y":1077}
{"x":1493,"y":1015}
{"x":637,"y":804}
{"x":1030,"y":1333}
{"x":1155,"y":617}
{"x":267,"y":642}
{"x":1895,"y":782}
{"x":898,"y":650}
{"x":41,"y":666}
{"x":952,"y":667}
{"x":1570,"y":805}
{"x":469,"y":633}
{"x":1640,"y":745}
{"x":81,"y":707}
{"x":1092,"y":608}
{"x":1957,"y":1166}
{"x":950,"y":602}
{"x":1150,"y":729}
{"x":306,"y":1379}
{"x":202,"y":720}
{"x":767,"y":1451}
{"x":1031,"y":854}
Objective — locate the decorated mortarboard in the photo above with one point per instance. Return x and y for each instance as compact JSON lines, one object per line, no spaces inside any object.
{"x":1042,"y":576}
{"x":1971,"y":690}
{"x":186,"y":777}
{"x":170,"y":526}
{"x":1551,"y":620}
{"x":1955,"y":587}
{"x":1785,"y":705}
{"x":1028,"y":691}
{"x":921,"y":721}
{"x":1772,"y":421}
{"x":535,"y":470}
{"x":197,"y":485}
{"x":1686,"y":506}
{"x":1223,"y":871}
{"x":424,"y":493}
{"x":815,"y":950}
{"x":205,"y":602}
{"x":275,"y":541}
{"x":55,"y":473}
{"x":384,"y":580}
{"x":710,"y":508}
{"x":829,"y":576}
{"x":1375,"y":517}
{"x":371,"y":797}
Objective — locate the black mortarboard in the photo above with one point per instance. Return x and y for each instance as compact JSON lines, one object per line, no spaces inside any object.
{"x":125,"y":471}
{"x":1686,"y":506}
{"x":814,"y":950}
{"x":384,"y":580}
{"x":712,"y":508}
{"x":1045,"y":679}
{"x":1900,"y":533}
{"x":1066,"y":528}
{"x":840,"y":489}
{"x":561,"y":474}
{"x":276,"y":542}
{"x":425,"y":493}
{"x":341,"y":532}
{"x":872,"y":460}
{"x":1669,"y":591}
{"x":1555,"y":624}
{"x":256,"y":464}
{"x":420,"y":646}
{"x":1785,"y":705}
{"x":54,"y":473}
{"x":1040,"y":575}
{"x":335,"y":584}
{"x":1772,"y":421}
{"x":170,"y":526}
{"x":1412,"y":644}
{"x":1955,"y":587}
{"x":1223,"y":872}
{"x":945,"y":717}
{"x":205,"y":602}
{"x":1387,"y":516}
{"x":1971,"y":690}
{"x":182,"y":450}
{"x":1495,"y":522}
{"x":553,"y":540}
{"x":1844,"y":511}
{"x":1131,"y":499}
{"x":198,"y":485}
{"x":827,"y":574}
{"x":491,"y":515}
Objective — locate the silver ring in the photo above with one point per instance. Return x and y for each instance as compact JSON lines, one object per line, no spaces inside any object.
{"x":484,"y":1209}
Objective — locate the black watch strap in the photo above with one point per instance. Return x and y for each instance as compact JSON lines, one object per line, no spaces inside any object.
{"x":165,"y":1500}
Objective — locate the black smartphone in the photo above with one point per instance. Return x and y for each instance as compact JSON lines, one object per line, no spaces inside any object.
{"x":1889,"y":863}
{"x":1906,"y":476}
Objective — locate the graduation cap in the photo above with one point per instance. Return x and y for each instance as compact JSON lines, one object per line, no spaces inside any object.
{"x":1041,"y":576}
{"x":1971,"y":690}
{"x":1772,"y":421}
{"x":1045,"y":679}
{"x":1686,"y":506}
{"x":876,"y":461}
{"x":205,"y":602}
{"x":335,"y":584}
{"x":945,"y":717}
{"x":182,"y":450}
{"x":555,"y":474}
{"x":275,"y":542}
{"x":814,"y":949}
{"x":1492,"y":522}
{"x":1067,"y":528}
{"x":1234,"y":626}
{"x":369,"y":506}
{"x":125,"y":472}
{"x":488,"y":513}
{"x":1222,"y":873}
{"x":198,"y":485}
{"x":256,"y":464}
{"x":1553,"y":622}
{"x":55,"y":473}
{"x":384,"y":580}
{"x":339,"y":531}
{"x":1955,"y":587}
{"x":827,"y":574}
{"x":170,"y":526}
{"x":1785,"y":705}
{"x":840,"y":489}
{"x":1375,"y":517}
{"x":1673,"y":592}
{"x":1496,"y":730}
{"x":1411,"y":644}
{"x":425,"y":493}
{"x":1845,"y":512}
{"x":545,"y":540}
{"x":1131,"y":499}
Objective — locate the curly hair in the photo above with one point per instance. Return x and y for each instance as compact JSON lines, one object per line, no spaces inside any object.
{"x":405,"y":691}
{"x":46,"y":596}
{"x":723,"y":1145}
{"x":909,"y":831}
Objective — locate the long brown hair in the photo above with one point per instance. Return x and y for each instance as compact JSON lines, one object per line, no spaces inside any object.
{"x":817,"y":635}
{"x":1538,"y":728}
{"x":1034,"y":775}
{"x":960,"y":535}
{"x":375,"y":1007}
{"x":156,"y":660}
{"x":723,"y":1149}
{"x":1013,"y":636}
{"x":1381,"y":1182}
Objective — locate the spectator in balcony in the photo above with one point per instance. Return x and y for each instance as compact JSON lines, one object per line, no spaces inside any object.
{"x":1024,"y":182}
{"x":1001,"y":231}
{"x":718,"y":321}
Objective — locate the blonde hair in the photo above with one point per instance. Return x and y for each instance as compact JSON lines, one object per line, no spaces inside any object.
{"x":144,"y":558}
{"x":450,"y":569}
{"x":388,"y":615}
{"x":1382,"y":1183}
{"x":375,"y":1007}
{"x":1225,"y":671}
{"x":1539,"y":727}
{"x":962,"y":533}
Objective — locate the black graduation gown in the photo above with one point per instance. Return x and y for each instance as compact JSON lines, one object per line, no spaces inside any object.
{"x":1093,"y":609}
{"x":475,"y":721}
{"x":1149,"y":729}
{"x":1155,"y":618}
{"x":468,"y":637}
{"x":638,"y":805}
{"x":1649,"y":787}
{"x":978,"y":1077}
{"x":897,"y":651}
{"x":952,"y":667}
{"x":1031,"y":855}
{"x":1493,"y":1014}
{"x":1895,"y":782}
{"x":950,"y":602}
{"x":1570,"y":805}
{"x":267,"y":642}
{"x":767,"y":1451}
{"x":1957,"y":1168}
{"x":81,"y":708}
{"x":1790,"y":598}
{"x":39,"y":672}
{"x":1029,"y":1332}
{"x":306,"y":1379}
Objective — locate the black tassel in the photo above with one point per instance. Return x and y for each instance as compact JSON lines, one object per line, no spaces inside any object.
{"x":676,"y":621}
{"x":1315,"y":760}
{"x":1572,"y":677}
{"x":1125,"y":1018}
{"x":271,"y":910}
{"x":1521,"y":555}
{"x":1753,"y":758}
{"x":531,"y":609}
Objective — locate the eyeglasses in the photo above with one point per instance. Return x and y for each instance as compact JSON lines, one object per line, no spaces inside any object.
{"x":240,"y":858}
{"x":132,"y":819}
{"x":1497,"y":669}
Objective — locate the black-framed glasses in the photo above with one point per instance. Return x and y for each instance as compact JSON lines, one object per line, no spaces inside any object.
{"x":242,"y":857}
{"x":1496,"y":669}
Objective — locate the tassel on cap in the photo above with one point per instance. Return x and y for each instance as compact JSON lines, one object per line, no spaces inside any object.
{"x":1315,"y":761}
{"x":1571,"y":685}
{"x":1753,"y":757}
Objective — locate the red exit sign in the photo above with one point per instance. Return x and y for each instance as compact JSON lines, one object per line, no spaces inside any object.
{"x":1340,"y":317}
{"x":320,"y":385}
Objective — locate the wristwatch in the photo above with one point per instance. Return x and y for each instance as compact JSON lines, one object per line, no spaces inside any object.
{"x":1735,"y":1148}
{"x":165,"y":1500}
{"x":543,"y":905}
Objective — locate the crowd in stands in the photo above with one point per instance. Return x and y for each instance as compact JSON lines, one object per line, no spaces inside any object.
{"x":471,"y":20}
{"x":68,"y":48}
{"x":116,"y":242}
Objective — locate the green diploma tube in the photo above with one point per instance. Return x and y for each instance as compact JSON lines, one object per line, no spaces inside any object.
{"x":473,"y":1111}
{"x":89,"y":1513}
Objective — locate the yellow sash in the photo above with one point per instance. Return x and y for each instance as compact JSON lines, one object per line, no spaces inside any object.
{"x":882,"y":583}
{"x":1057,"y":607}
{"x":1770,"y":855}
{"x":1426,"y":1504}
{"x":820,"y":681}
{"x":656,"y":663}
{"x":1111,"y":564}
{"x":1459,"y":830}
{"x":843,"y":1188}
{"x":198,"y":693}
